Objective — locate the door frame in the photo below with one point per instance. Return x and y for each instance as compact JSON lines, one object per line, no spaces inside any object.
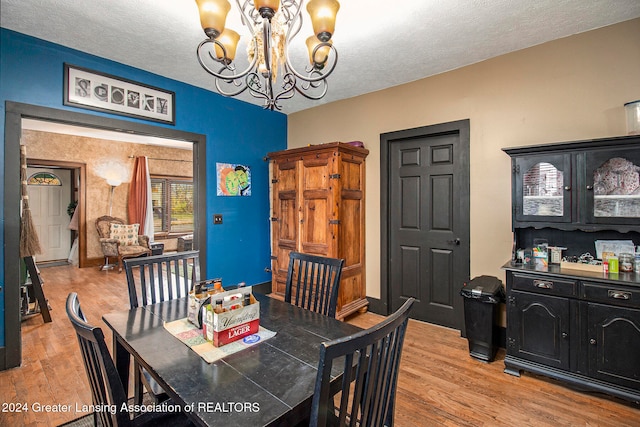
{"x":462,"y":128}
{"x":11,"y":353}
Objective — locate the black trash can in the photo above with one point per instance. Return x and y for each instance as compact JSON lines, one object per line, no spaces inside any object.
{"x":481,"y":298}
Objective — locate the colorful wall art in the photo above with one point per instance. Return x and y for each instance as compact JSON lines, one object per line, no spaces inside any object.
{"x":233,"y":180}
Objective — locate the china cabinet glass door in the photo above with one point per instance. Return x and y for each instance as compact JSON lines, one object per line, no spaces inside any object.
{"x":613,"y":186}
{"x":543,"y":188}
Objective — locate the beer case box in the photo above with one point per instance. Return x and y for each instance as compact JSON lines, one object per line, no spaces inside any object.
{"x":233,"y":325}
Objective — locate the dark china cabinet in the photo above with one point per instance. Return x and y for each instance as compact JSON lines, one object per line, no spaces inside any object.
{"x":581,"y":327}
{"x":586,"y":185}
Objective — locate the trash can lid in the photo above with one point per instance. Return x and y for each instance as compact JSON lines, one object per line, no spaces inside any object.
{"x":485,"y":288}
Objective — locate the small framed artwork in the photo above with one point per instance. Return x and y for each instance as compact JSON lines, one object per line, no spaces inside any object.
{"x":233,"y":180}
{"x":103,"y":92}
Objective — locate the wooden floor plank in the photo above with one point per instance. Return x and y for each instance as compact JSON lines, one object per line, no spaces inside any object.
{"x":439,"y":383}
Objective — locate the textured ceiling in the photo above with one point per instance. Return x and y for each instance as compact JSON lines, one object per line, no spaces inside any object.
{"x":378,"y":48}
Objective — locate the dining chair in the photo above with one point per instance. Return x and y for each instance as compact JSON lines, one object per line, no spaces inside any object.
{"x":368,"y":364}
{"x":155,"y":279}
{"x":107,"y":390}
{"x":313,"y":282}
{"x":160,"y":278}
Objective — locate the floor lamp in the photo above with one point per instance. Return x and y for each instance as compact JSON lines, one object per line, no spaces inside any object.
{"x":113,"y":182}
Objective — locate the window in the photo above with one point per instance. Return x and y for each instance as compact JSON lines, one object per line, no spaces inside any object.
{"x":44,"y":178}
{"x":172,"y":200}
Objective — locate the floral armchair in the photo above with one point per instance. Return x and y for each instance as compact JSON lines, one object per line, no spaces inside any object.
{"x":120,"y":240}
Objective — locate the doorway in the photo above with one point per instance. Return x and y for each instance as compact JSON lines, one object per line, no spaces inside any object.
{"x":425,"y":220}
{"x":11,"y":354}
{"x":49,"y":197}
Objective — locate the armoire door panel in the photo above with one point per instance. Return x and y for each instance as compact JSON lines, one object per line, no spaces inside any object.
{"x":315,"y":221}
{"x":351,"y":175}
{"x":286,"y":222}
{"x":350,"y":233}
{"x":316,"y":178}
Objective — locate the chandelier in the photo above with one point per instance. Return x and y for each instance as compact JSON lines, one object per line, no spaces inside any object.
{"x":272,"y":24}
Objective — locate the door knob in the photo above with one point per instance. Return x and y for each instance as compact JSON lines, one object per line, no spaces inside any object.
{"x":455,"y":241}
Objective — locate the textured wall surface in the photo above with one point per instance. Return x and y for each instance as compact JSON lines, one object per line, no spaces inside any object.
{"x":94,"y":152}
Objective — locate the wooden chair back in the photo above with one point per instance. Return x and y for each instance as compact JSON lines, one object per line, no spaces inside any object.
{"x":313,"y":282}
{"x":106,"y":388}
{"x":160,"y":278}
{"x":369,"y":363}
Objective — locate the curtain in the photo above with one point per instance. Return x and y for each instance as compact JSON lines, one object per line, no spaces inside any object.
{"x":140,"y":207}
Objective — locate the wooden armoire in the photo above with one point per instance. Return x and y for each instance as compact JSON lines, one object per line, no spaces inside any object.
{"x":318,"y":208}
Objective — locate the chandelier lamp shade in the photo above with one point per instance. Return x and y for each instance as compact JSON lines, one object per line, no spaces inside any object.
{"x":272,"y":24}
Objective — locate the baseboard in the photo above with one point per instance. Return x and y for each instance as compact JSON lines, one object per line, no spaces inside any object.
{"x":377,"y":306}
{"x":96,"y":262}
{"x":262,"y":288}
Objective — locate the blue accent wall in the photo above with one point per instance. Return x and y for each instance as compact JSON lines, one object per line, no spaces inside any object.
{"x":31,"y":72}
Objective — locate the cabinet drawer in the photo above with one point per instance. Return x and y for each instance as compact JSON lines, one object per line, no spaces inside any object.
{"x":545,"y":285}
{"x":623,"y":296}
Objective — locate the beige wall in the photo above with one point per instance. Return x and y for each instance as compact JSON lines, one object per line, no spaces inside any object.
{"x":569,"y":89}
{"x":92,"y":152}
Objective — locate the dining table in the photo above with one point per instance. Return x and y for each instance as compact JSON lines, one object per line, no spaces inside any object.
{"x":270,"y":383}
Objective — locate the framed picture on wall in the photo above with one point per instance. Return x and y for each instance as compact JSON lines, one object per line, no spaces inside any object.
{"x":233,"y":180}
{"x":97,"y":91}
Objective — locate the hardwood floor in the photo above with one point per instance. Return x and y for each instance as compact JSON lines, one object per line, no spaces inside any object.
{"x":439,"y":384}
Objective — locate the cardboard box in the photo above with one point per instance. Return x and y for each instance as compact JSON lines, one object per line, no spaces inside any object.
{"x":233,"y":324}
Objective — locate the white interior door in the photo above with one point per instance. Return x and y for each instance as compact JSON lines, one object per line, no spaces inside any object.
{"x":48,"y":205}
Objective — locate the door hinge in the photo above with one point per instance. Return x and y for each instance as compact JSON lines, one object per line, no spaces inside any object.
{"x":516,"y":169}
{"x":274,"y":219}
{"x":274,"y":181}
{"x":334,"y":221}
{"x":273,"y":257}
{"x":334,"y":176}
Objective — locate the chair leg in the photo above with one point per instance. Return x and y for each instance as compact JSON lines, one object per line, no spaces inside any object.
{"x":120,"y":263}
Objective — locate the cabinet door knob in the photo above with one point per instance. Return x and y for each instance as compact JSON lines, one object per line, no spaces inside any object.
{"x":589,"y":187}
{"x":567,"y":188}
{"x":592,"y":341}
{"x":565,"y":335}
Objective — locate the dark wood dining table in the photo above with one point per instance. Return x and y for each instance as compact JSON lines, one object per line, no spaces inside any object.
{"x":268,"y":384}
